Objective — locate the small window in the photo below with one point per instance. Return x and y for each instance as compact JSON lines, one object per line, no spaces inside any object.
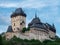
{"x":17,"y":28}
{"x":20,"y":23}
{"x":14,"y":28}
{"x":23,"y":22}
{"x":7,"y":35}
{"x":14,"y":24}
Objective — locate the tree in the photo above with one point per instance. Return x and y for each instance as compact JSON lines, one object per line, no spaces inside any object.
{"x":24,"y":29}
{"x":1,"y":41}
{"x":45,"y":42}
{"x":28,"y":28}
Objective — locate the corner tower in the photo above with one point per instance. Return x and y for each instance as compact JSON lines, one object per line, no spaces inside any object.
{"x":18,"y":20}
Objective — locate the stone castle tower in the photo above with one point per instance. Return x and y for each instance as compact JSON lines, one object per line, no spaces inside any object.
{"x":18,"y":20}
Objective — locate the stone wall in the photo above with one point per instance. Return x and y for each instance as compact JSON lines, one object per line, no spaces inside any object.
{"x":40,"y":34}
{"x":17,"y":24}
{"x":52,"y":34}
{"x":9,"y":35}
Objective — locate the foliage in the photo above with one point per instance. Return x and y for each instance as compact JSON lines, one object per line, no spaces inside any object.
{"x":28,"y":28}
{"x":18,"y":41}
{"x":25,"y":29}
{"x":1,"y":43}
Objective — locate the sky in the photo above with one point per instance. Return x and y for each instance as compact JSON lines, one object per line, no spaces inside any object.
{"x":47,"y":10}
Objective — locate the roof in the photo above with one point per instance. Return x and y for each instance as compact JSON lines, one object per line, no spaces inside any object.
{"x":35,"y":20}
{"x":17,"y":12}
{"x":9,"y":29}
{"x":52,"y":28}
{"x":36,"y":23}
{"x":41,"y":26}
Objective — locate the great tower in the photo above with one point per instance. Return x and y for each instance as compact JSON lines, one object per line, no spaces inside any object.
{"x":18,"y":20}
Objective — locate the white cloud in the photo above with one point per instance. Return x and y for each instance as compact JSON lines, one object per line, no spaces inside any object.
{"x":8,"y":5}
{"x":4,"y":20}
{"x":30,"y":3}
{"x":26,"y":3}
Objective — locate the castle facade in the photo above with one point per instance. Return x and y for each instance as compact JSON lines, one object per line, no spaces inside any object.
{"x":38,"y":30}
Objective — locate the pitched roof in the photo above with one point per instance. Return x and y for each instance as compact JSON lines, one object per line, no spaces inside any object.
{"x":17,"y":12}
{"x":52,"y":28}
{"x":36,"y":23}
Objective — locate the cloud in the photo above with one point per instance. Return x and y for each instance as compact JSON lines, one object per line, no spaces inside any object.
{"x":25,"y":3}
{"x":4,"y":20}
{"x":8,"y":5}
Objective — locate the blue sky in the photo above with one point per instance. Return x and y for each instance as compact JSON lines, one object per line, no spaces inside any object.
{"x":47,"y":10}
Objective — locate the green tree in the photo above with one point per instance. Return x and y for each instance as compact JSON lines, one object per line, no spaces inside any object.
{"x":1,"y":41}
{"x":28,"y":28}
{"x":24,"y":29}
{"x":45,"y":42}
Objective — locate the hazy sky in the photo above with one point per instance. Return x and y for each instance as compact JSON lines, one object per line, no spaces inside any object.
{"x":47,"y":10}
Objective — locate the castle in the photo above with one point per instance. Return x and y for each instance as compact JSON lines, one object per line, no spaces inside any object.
{"x":38,"y":30}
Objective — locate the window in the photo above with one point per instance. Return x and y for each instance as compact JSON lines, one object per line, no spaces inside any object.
{"x":17,"y":28}
{"x":14,"y":24}
{"x":23,"y":22}
{"x":14,"y":28}
{"x":20,"y":23}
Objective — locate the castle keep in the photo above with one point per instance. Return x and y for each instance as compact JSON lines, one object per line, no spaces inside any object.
{"x":38,"y":30}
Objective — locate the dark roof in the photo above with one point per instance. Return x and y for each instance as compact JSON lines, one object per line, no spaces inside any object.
{"x":9,"y":29}
{"x":52,"y":28}
{"x":17,"y":12}
{"x":36,"y":23}
{"x":35,"y":20}
{"x":41,"y":26}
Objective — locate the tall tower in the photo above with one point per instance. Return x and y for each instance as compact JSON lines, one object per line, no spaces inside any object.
{"x":18,"y":20}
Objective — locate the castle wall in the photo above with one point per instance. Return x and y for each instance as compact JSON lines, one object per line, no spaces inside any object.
{"x":9,"y":35}
{"x":32,"y":34}
{"x":40,"y":34}
{"x":17,"y":24}
{"x":52,"y":34}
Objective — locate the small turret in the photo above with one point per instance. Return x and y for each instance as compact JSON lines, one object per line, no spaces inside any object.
{"x":35,"y":15}
{"x":54,"y":27}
